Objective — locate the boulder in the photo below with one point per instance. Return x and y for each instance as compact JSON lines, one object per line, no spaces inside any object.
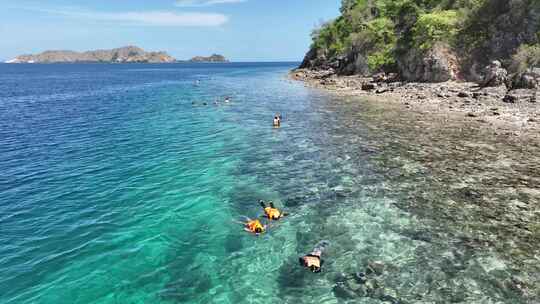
{"x":495,"y":75}
{"x":368,"y":86}
{"x":519,"y":96}
{"x":379,"y":77}
{"x":527,"y":80}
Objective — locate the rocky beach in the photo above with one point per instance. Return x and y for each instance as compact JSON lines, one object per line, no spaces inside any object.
{"x":505,"y":112}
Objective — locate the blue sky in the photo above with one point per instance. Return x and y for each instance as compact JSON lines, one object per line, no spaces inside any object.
{"x":242,"y":30}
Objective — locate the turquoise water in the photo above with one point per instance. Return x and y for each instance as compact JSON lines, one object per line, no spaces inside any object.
{"x":119,"y":185}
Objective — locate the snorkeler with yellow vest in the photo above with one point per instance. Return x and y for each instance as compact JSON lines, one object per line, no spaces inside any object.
{"x":271,"y":212}
{"x":253,"y":226}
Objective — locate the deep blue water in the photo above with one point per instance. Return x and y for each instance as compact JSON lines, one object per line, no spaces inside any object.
{"x":118,"y":185}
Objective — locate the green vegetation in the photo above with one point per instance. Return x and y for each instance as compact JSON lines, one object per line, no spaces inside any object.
{"x":527,"y":56}
{"x":383,"y":30}
{"x":435,"y":27}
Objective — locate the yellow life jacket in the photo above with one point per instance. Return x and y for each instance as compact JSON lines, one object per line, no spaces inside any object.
{"x":255,"y":225}
{"x":272,"y":213}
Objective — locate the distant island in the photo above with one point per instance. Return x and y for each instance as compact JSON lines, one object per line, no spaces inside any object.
{"x":213,"y":58}
{"x":127,"y":54}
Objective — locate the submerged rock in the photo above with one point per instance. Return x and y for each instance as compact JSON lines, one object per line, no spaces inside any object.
{"x":376,"y":267}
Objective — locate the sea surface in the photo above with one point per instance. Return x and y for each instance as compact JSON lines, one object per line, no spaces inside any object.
{"x":126,"y":184}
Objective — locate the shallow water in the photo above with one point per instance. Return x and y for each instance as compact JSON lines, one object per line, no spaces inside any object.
{"x":120,"y":186}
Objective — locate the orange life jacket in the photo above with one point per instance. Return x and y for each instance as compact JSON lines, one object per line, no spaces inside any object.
{"x":253,"y":225}
{"x":272,"y":213}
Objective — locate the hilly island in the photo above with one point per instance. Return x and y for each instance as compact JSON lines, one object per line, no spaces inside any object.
{"x":127,"y":54}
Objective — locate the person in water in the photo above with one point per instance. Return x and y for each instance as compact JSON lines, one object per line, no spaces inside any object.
{"x":277,"y":121}
{"x":313,"y":260}
{"x":254,"y":226}
{"x":271,"y":212}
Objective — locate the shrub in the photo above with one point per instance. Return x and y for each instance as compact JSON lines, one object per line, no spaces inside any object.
{"x":440,"y":26}
{"x":526,"y":57}
{"x":331,"y":37}
{"x":377,"y":41}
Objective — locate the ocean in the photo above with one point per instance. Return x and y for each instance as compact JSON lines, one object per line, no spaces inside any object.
{"x":127,"y":183}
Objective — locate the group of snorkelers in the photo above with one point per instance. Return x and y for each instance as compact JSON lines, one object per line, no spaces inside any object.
{"x":227,"y":99}
{"x":312,"y":261}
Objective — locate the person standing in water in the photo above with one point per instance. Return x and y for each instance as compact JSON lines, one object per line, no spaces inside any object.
{"x":313,"y":260}
{"x":277,"y":121}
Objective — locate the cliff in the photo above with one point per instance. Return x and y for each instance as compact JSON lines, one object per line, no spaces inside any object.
{"x":428,"y":40}
{"x":128,"y":54}
{"x":213,"y":58}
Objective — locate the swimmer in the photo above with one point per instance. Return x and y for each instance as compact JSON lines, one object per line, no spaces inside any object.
{"x":254,"y":226}
{"x":313,"y":260}
{"x":227,"y":99}
{"x":271,"y":212}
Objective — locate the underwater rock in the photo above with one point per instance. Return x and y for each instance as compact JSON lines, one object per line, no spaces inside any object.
{"x":340,"y":291}
{"x":376,"y":267}
{"x":360,"y":277}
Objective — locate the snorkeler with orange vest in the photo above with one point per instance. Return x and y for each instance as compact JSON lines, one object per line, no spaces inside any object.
{"x":312,"y":261}
{"x":254,"y":226}
{"x":271,"y":212}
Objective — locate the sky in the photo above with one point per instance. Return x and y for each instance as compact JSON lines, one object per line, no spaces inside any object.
{"x":241,"y":30}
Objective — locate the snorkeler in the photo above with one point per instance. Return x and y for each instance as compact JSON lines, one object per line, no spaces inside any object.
{"x":254,"y":226}
{"x":227,"y":99}
{"x":271,"y":212}
{"x":313,"y":260}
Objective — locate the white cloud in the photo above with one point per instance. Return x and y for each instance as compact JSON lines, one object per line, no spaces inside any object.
{"x":197,"y":3}
{"x":151,"y":18}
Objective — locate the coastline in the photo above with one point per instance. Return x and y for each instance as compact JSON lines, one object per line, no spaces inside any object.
{"x":469,"y":174}
{"x":451,"y":100}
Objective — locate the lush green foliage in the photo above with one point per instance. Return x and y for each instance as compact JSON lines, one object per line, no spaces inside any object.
{"x":383,"y":30}
{"x":369,"y":26}
{"x":434,"y":27}
{"x":332,"y":37}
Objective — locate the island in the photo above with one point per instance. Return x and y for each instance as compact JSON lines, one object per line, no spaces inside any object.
{"x":212,"y":58}
{"x":127,"y":54}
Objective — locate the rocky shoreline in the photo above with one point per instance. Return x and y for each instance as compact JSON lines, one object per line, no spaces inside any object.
{"x":468,"y":163}
{"x":512,"y":112}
